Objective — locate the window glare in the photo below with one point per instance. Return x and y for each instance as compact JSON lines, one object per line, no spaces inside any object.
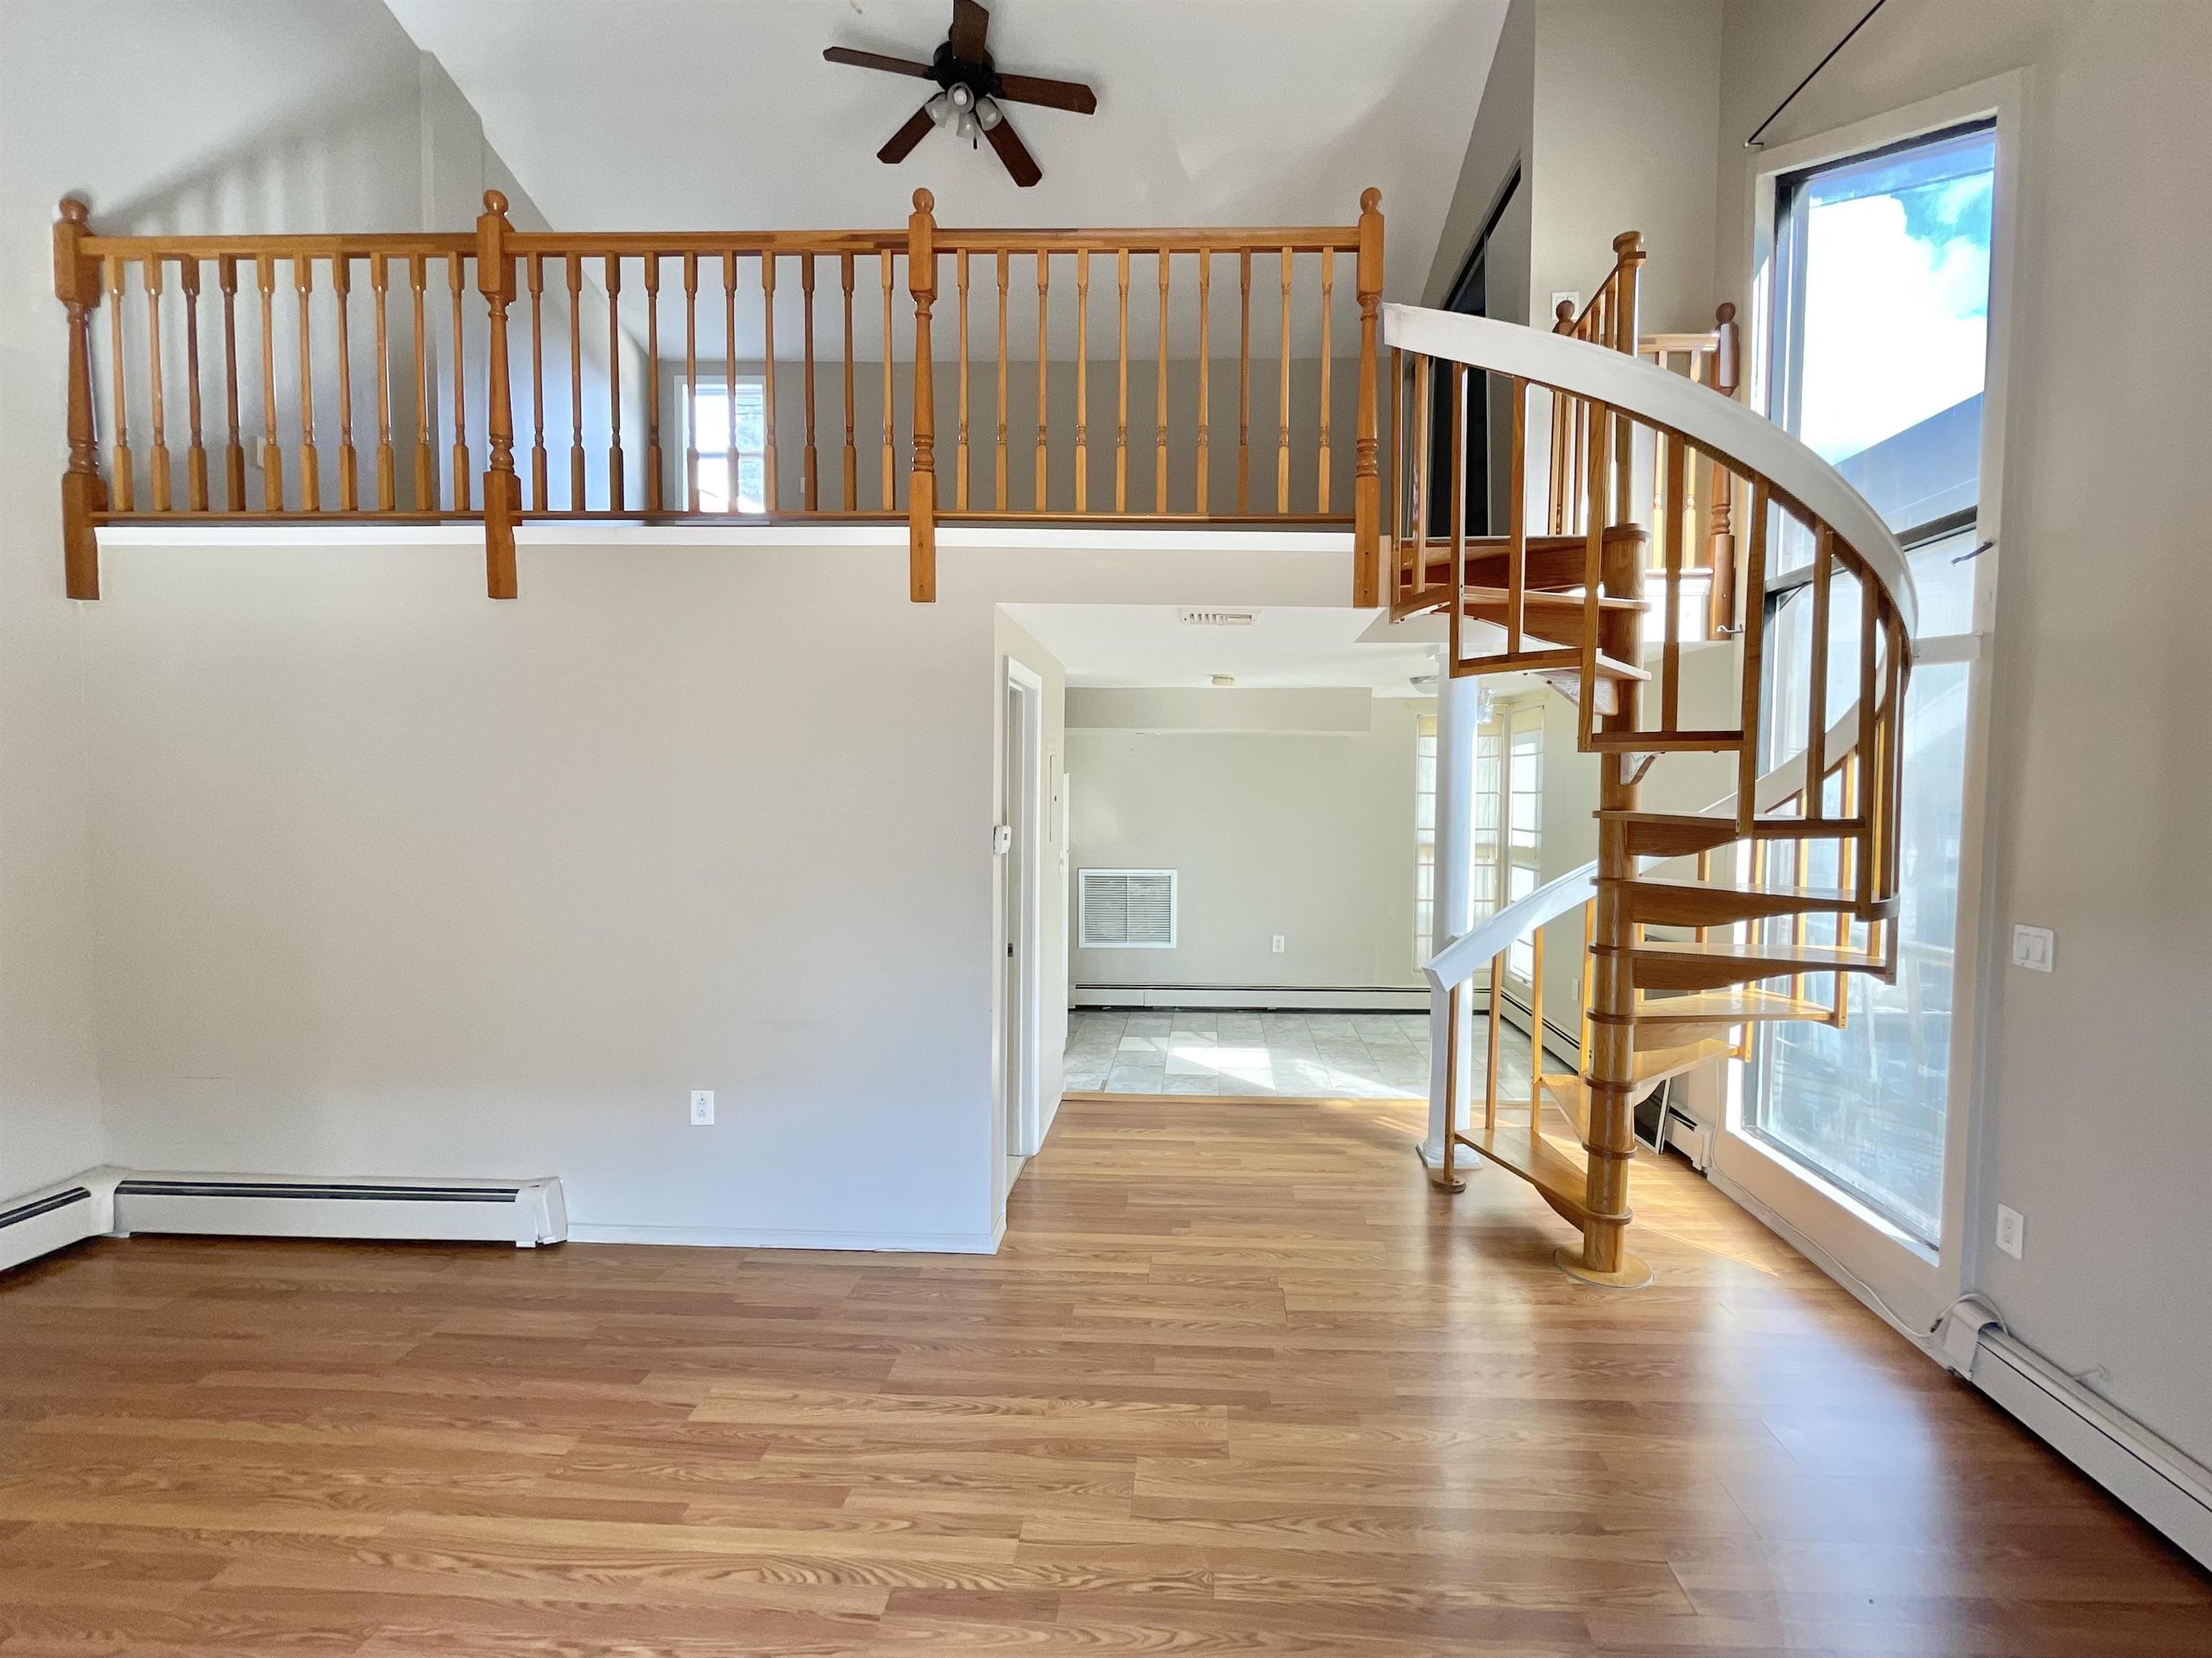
{"x":711,"y":414}
{"x":1891,"y":258}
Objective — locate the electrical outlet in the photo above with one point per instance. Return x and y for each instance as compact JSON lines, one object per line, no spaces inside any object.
{"x":702,"y":1108}
{"x":2034,"y":948}
{"x":1279,"y":943}
{"x":2012,"y":1230}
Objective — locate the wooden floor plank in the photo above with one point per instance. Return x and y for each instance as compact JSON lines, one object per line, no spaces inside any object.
{"x":1238,"y":1382}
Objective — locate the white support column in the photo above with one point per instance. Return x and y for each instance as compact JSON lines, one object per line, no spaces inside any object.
{"x":1456,"y":719}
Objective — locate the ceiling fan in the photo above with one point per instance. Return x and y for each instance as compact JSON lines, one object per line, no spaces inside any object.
{"x":971,"y":90}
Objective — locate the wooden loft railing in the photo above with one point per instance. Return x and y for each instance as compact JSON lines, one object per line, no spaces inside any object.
{"x":506,"y":375}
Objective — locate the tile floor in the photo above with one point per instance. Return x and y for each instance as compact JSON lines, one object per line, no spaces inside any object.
{"x":1329,"y":1055}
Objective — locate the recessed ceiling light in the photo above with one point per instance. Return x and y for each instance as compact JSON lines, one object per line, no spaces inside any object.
{"x":1224,"y":680}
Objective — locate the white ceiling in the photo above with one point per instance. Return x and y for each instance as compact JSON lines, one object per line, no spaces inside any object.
{"x":721,"y":114}
{"x":1287,"y":646}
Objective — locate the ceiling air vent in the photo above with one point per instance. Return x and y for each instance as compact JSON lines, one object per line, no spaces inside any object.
{"x":1218,"y":618}
{"x":1128,"y":908}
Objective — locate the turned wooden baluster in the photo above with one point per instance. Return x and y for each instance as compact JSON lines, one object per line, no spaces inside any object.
{"x":768,"y":480}
{"x":616,"y":466}
{"x":1673,"y":517}
{"x":960,"y":443}
{"x":123,"y":468}
{"x":234,"y":450}
{"x":503,"y":493}
{"x":577,"y":496}
{"x":348,"y":457}
{"x":1205,"y":377}
{"x":999,"y":459}
{"x":1366,"y":480}
{"x":196,"y":466}
{"x":272,"y":457}
{"x":84,"y":493}
{"x":1516,"y":519}
{"x":731,"y":498}
{"x":311,"y":457}
{"x":541,"y":485}
{"x":1456,"y":518}
{"x":852,"y":497}
{"x":380,"y":284}
{"x":1724,"y":371}
{"x":157,"y":454}
{"x":1083,"y":380}
{"x":1754,"y":643}
{"x":1283,"y":396}
{"x":691,"y":381}
{"x":1043,"y":501}
{"x":808,"y":477}
{"x":426,"y":470}
{"x":1423,"y":466}
{"x":1160,"y":395}
{"x":1244,"y":382}
{"x":1122,"y":404}
{"x":1321,"y":468}
{"x":921,"y":485}
{"x":456,"y":268}
{"x":889,"y":488}
{"x":1816,"y":728}
{"x":656,"y":478}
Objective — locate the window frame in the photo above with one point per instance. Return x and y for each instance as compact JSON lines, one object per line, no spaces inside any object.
{"x":1909,"y":1281}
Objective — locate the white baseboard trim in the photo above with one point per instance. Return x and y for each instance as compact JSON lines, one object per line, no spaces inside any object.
{"x":1352,"y":998}
{"x":720,"y":1237}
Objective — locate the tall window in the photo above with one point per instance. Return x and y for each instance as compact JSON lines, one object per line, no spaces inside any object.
{"x":1424,"y":838}
{"x":1879,"y":338}
{"x":1522,"y":730}
{"x":724,"y":417}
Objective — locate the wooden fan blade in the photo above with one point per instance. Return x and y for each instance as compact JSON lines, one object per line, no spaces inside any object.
{"x":904,"y":141}
{"x":969,"y":20}
{"x":1052,"y":94}
{"x":1015,"y":155}
{"x":876,"y":60}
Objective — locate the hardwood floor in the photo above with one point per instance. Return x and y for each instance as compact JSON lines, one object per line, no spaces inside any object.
{"x":1238,"y":1381}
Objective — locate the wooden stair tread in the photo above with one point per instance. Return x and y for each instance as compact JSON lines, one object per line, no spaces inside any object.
{"x":1653,"y":1065}
{"x":1687,"y":964}
{"x":1740,"y":1005}
{"x":1804,"y":897}
{"x":1689,"y":901}
{"x":1561,"y":1173}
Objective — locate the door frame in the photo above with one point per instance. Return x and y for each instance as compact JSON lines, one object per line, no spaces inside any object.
{"x":1021,"y":1026}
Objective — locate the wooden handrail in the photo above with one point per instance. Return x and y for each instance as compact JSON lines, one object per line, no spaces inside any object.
{"x":325,"y":330}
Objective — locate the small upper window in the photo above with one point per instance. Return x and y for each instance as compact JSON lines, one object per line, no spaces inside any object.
{"x":729,"y":420}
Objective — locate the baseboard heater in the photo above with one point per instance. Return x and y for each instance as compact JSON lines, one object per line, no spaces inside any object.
{"x":2170,"y":1490}
{"x":116,"y":1203}
{"x":1353,"y":999}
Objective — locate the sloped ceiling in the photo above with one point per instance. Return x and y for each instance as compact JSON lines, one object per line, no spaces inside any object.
{"x":699,"y":114}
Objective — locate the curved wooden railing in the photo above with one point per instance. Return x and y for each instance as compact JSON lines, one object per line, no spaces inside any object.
{"x":1579,"y":611}
{"x":504,"y":374}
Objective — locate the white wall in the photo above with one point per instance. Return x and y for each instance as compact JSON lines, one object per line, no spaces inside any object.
{"x":396,"y":878}
{"x":1306,"y":833}
{"x":176,"y":116}
{"x":2093,"y":1120}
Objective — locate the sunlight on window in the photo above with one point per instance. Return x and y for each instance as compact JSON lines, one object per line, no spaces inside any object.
{"x":713,"y":435}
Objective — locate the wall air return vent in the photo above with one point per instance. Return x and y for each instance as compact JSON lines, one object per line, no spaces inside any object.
{"x":1218,"y":618}
{"x":1126,"y":908}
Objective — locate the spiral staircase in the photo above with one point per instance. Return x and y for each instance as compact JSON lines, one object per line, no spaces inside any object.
{"x":1626,"y":482}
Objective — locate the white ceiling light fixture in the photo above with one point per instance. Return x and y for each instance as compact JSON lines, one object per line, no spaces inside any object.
{"x":1223,"y":681}
{"x":1195,"y":618}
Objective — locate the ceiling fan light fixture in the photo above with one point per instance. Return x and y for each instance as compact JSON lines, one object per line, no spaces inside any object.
{"x":964,"y":125}
{"x":987,"y":113}
{"x":940,"y":108}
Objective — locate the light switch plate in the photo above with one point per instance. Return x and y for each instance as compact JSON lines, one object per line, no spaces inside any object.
{"x":1279,"y":943}
{"x":2012,"y":1230}
{"x":2034,"y":948}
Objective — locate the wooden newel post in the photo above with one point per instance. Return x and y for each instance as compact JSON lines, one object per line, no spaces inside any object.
{"x":84,"y":493}
{"x":1721,"y":545}
{"x":503,"y":494}
{"x":922,"y":484}
{"x":1366,"y":474}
